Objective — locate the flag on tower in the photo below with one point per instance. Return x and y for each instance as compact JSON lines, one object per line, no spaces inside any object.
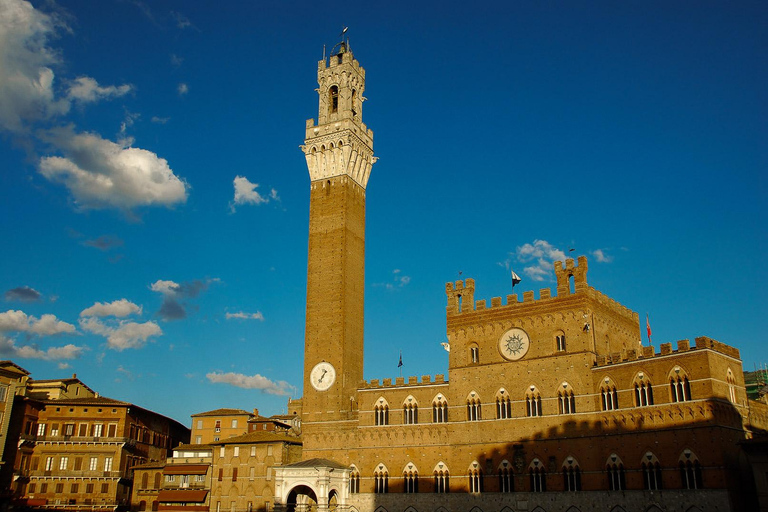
{"x":648,"y":328}
{"x":515,"y":279}
{"x":400,"y":363}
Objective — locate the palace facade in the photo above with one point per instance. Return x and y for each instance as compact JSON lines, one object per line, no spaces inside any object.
{"x":550,"y":402}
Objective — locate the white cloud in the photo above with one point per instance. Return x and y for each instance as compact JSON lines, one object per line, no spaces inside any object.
{"x":122,"y":335}
{"x":27,"y":89}
{"x":543,"y":255}
{"x":398,"y":280}
{"x":9,"y":349}
{"x":87,"y":90}
{"x":257,"y":381}
{"x":100,"y":173}
{"x":118,"y":308}
{"x":160,"y":120}
{"x":63,"y":366}
{"x":246,"y":193}
{"x":26,"y":79}
{"x":182,"y":89}
{"x":601,"y":257}
{"x":46,"y":325}
{"x":164,"y":287}
{"x":246,"y":316}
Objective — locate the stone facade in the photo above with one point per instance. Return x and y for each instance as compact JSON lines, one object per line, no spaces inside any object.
{"x":548,"y":403}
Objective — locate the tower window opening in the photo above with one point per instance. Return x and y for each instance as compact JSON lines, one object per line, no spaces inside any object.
{"x":354,"y":102}
{"x":381,"y":481}
{"x":571,"y":285}
{"x":572,"y":479}
{"x":690,"y":473}
{"x":616,"y":479}
{"x":474,"y":355}
{"x":561,"y":343}
{"x":333,"y":103}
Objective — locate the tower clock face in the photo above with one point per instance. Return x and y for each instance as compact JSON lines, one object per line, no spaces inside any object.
{"x":514,"y":344}
{"x":322,"y":376}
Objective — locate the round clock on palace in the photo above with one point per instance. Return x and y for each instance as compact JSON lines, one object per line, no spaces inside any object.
{"x":322,"y":376}
{"x":514,"y":344}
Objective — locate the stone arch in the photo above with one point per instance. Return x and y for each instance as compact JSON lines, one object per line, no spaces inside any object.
{"x":411,"y":509}
{"x":538,"y":509}
{"x":653,"y":508}
{"x":573,"y":508}
{"x":476,"y":509}
{"x":300,"y":494}
{"x":380,"y":509}
{"x":474,"y":412}
{"x":618,"y":508}
{"x":533,"y":401}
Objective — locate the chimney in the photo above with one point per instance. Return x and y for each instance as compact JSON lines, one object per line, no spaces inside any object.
{"x":256,"y":412}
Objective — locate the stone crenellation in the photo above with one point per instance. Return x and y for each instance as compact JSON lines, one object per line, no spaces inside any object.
{"x":665,"y":349}
{"x":426,"y":380}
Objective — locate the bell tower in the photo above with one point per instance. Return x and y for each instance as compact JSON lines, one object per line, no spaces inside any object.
{"x":339,"y":154}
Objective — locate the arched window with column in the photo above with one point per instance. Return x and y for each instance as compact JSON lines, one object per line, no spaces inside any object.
{"x":474,"y":412}
{"x":354,"y":479}
{"x":571,"y":474}
{"x":566,"y":400}
{"x":532,"y":401}
{"x":537,"y":476}
{"x":643,"y":390}
{"x":441,"y":478}
{"x":439,"y":409}
{"x":614,"y":467}
{"x":690,"y":471}
{"x":506,"y":477}
{"x":679,"y":387}
{"x":503,"y":405}
{"x":410,"y":411}
{"x":381,"y":479}
{"x":381,"y":412}
{"x":410,"y":479}
{"x":475,"y":475}
{"x":609,"y":397}
{"x":651,"y":472}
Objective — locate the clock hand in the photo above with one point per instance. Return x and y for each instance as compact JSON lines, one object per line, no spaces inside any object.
{"x":323,"y":375}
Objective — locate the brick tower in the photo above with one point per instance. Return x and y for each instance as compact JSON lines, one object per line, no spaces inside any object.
{"x":339,"y":153}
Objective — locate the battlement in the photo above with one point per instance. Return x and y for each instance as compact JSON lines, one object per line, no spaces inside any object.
{"x":665,"y":349}
{"x":461,"y":294}
{"x":426,"y":380}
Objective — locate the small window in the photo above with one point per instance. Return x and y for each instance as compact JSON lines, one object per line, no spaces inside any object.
{"x":679,"y":387}
{"x":651,"y":472}
{"x":643,"y":392}
{"x":609,"y":397}
{"x":234,"y":474}
{"x":503,"y":405}
{"x":566,"y":400}
{"x":217,"y":427}
{"x":237,"y":451}
{"x":474,"y":355}
{"x":410,"y":411}
{"x":354,"y":481}
{"x":253,"y":451}
{"x":234,"y":423}
{"x":560,"y":342}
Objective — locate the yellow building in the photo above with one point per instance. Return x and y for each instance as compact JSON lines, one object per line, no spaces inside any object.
{"x":550,"y":402}
{"x":218,"y":424}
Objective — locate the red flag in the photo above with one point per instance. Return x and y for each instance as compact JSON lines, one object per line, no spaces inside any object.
{"x":648,"y":327}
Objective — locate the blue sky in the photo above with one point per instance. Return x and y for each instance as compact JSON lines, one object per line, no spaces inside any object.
{"x":634,"y":132}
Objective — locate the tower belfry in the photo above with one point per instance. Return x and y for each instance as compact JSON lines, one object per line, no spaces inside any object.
{"x":339,"y":154}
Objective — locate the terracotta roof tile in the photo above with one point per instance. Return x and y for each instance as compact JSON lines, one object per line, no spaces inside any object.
{"x":223,"y":412}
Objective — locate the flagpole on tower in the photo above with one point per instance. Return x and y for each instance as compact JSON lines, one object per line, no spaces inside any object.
{"x":400,"y":363}
{"x":648,"y":328}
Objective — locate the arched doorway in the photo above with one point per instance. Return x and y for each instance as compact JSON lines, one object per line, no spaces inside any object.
{"x":301,"y":499}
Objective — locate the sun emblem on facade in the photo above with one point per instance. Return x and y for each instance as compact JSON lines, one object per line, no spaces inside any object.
{"x":514,"y":344}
